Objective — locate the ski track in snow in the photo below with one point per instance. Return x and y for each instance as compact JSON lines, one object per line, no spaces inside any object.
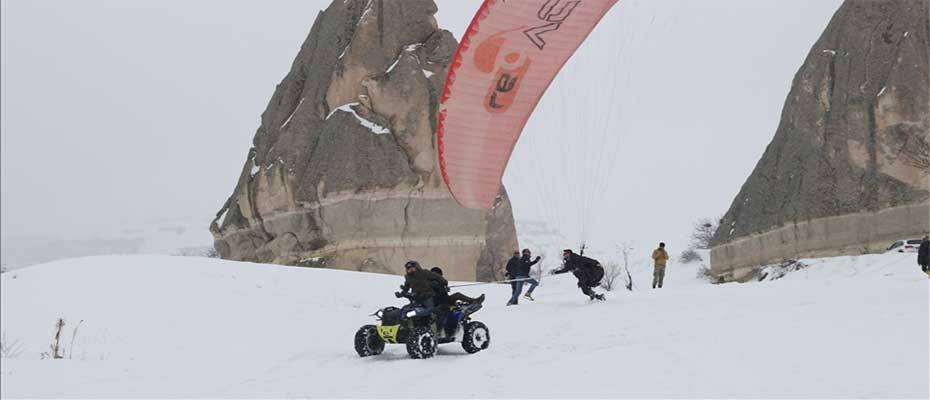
{"x":158,"y":326}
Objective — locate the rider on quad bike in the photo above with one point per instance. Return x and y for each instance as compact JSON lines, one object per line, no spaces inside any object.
{"x":421,"y":286}
{"x":417,"y":325}
{"x":443,"y":298}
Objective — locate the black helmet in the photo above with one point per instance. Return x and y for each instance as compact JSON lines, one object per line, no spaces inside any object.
{"x":436,"y":270}
{"x":412,"y":264}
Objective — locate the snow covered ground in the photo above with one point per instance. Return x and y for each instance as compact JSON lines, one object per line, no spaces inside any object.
{"x":158,"y":326}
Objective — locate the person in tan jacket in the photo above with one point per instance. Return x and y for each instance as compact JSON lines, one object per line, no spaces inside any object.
{"x":661,"y":257}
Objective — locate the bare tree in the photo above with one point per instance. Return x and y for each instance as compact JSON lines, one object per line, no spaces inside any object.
{"x":56,"y":347}
{"x":914,"y":148}
{"x":703,"y":233}
{"x":611,"y":273}
{"x":626,"y":250}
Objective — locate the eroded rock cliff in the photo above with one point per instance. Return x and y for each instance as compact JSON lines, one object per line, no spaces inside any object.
{"x":847,"y":170}
{"x":343,"y":170}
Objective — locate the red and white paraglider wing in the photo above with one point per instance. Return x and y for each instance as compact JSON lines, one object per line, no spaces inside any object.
{"x":508,"y":56}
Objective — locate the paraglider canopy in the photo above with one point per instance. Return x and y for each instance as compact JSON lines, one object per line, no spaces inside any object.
{"x":507,"y":58}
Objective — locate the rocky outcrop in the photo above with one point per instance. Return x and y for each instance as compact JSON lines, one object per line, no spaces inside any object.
{"x":343,"y":170}
{"x":847,"y":170}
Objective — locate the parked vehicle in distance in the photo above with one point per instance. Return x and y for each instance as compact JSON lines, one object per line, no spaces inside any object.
{"x":904,"y":246}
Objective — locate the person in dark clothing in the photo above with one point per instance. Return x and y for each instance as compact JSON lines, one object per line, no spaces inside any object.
{"x":420,"y":285}
{"x":444,"y":298}
{"x":519,"y":268}
{"x":923,"y":255}
{"x":588,"y":271}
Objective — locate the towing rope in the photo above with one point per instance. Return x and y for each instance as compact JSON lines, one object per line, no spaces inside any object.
{"x":488,"y":283}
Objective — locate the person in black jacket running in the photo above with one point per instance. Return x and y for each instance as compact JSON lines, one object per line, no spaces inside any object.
{"x":518,"y":268}
{"x":588,"y":271}
{"x":923,"y":255}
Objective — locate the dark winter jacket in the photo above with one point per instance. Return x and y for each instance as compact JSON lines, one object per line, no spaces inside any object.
{"x":514,"y":266}
{"x":423,"y":284}
{"x":923,"y":253}
{"x":441,"y":288}
{"x":520,"y":267}
{"x":575,"y":261}
{"x":587,"y":270}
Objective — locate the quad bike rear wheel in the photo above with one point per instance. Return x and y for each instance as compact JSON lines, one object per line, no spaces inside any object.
{"x":477,"y":337}
{"x":421,"y":343}
{"x":368,"y":342}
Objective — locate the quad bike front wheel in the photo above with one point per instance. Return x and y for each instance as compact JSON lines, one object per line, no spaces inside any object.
{"x":421,"y":343}
{"x":477,"y":337}
{"x":368,"y":342}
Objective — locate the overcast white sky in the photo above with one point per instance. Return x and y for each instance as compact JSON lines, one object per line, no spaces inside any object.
{"x":115,"y":112}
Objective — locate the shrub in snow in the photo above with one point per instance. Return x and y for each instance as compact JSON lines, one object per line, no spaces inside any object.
{"x":689,"y":256}
{"x":10,"y":348}
{"x":777,"y":271}
{"x":312,"y":262}
{"x":73,"y":335}
{"x":704,"y":272}
{"x":202,"y":251}
{"x":57,"y":350}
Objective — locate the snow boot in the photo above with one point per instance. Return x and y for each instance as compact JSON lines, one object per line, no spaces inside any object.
{"x":529,"y":296}
{"x":595,"y":296}
{"x":510,"y":303}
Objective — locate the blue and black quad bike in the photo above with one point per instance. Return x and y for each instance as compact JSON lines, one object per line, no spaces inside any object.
{"x":423,"y":333}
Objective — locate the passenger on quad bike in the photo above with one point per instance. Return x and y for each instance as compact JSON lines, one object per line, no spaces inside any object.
{"x":588,"y":271}
{"x":445,"y":299}
{"x":420,"y":286}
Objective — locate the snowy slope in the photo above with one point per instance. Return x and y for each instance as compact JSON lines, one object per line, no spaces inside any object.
{"x":174,"y":236}
{"x":161,"y":326}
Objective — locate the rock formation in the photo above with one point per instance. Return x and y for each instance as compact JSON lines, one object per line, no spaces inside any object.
{"x":343,"y":170}
{"x":847,"y":170}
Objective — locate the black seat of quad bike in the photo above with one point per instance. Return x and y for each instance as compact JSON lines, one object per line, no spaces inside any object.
{"x":391,"y":316}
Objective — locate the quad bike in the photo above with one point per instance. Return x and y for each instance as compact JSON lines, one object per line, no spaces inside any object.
{"x":422,"y":333}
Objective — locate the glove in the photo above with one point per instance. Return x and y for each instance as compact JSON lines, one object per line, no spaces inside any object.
{"x":398,"y":294}
{"x":538,"y":258}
